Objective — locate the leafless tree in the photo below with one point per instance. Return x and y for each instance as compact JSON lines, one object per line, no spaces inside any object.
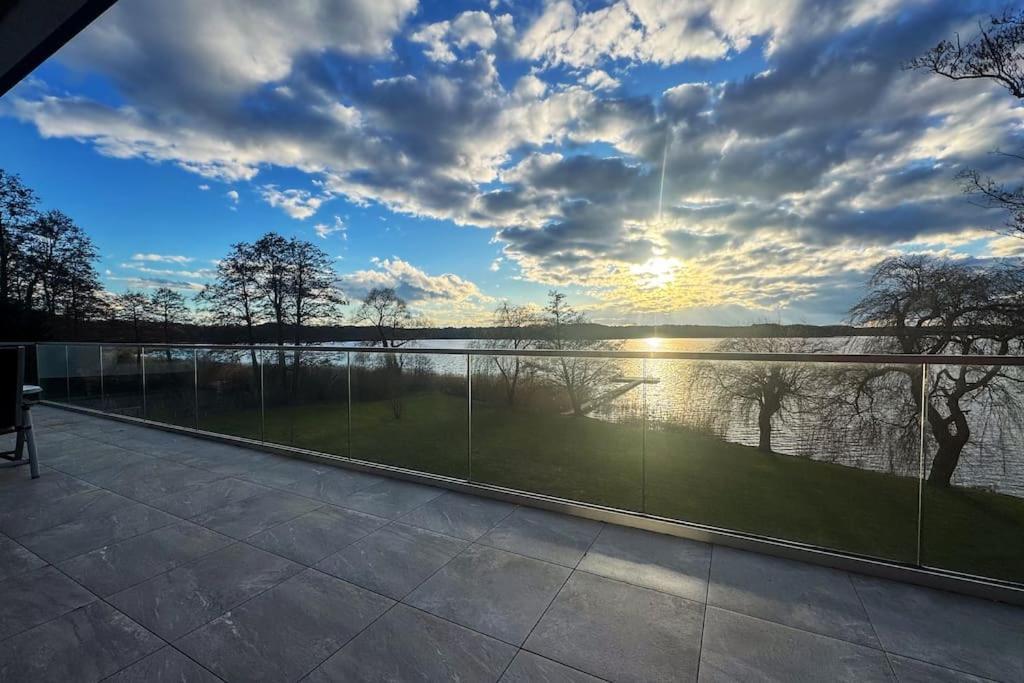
{"x":17,"y":208}
{"x":389,"y":316}
{"x":582,"y":378}
{"x":233,"y":297}
{"x":169,"y":308}
{"x":995,"y":54}
{"x":933,"y":306}
{"x":518,"y":327}
{"x":772,"y":390}
{"x":132,"y":307}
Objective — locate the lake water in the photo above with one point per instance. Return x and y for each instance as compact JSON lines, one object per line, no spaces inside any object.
{"x":985,"y":463}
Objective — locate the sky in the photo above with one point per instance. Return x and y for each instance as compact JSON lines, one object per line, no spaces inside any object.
{"x":660,"y":162}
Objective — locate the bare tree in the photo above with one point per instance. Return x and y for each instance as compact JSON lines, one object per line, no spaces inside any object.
{"x":774,"y":390}
{"x":582,"y":378}
{"x":995,"y":54}
{"x":933,"y":306}
{"x":132,"y":307}
{"x":271,"y":254}
{"x":17,"y":207}
{"x":518,"y":327}
{"x":389,"y":316}
{"x":233,"y":297}
{"x":168,"y":307}
{"x":311,"y":286}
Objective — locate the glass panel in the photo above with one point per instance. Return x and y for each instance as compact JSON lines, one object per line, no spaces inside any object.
{"x":52,"y":371}
{"x":571,"y":428}
{"x":410,"y":410}
{"x":122,"y":380}
{"x":84,"y":381}
{"x":170,"y":386}
{"x":973,"y":498}
{"x":823,"y":454}
{"x":306,"y":400}
{"x":229,"y":392}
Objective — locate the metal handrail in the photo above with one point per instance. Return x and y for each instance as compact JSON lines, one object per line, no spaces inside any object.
{"x":863,"y":358}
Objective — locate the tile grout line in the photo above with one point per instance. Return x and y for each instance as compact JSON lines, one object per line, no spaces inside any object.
{"x":704,"y":612}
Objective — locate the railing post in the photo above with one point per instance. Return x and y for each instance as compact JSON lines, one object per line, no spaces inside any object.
{"x":195,"y":383}
{"x":643,"y":437}
{"x":67,"y":373}
{"x":142,"y":364}
{"x":103,"y":395}
{"x":469,"y":418}
{"x":348,"y":374}
{"x":263,"y":407}
{"x":923,"y":421}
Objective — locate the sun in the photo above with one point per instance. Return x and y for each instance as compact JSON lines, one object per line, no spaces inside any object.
{"x":656,"y":272}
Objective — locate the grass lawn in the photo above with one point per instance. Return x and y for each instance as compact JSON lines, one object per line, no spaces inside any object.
{"x":690,"y":477}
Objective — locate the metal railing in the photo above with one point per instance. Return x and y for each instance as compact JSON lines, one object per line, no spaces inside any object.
{"x":644,"y":446}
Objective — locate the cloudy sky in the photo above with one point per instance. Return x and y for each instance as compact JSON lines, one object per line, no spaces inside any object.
{"x":695,"y":161}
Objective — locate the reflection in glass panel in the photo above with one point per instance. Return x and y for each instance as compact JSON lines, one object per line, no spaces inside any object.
{"x":122,"y":380}
{"x":170,"y":386}
{"x":823,"y":454}
{"x":306,"y":400}
{"x":410,"y":410}
{"x":229,"y":392}
{"x":84,"y":379}
{"x":52,"y":371}
{"x":565,"y":427}
{"x":973,"y":497}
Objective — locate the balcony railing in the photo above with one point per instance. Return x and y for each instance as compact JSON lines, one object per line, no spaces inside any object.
{"x":915,"y":461}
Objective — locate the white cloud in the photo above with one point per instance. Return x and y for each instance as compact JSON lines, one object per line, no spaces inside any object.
{"x":323,"y":230}
{"x":204,"y":187}
{"x":468,"y":29}
{"x":232,"y":195}
{"x":496,"y":264}
{"x":162,"y":258}
{"x":299,"y":204}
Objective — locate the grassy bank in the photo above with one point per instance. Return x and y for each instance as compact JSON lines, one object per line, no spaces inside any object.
{"x":689,"y":476}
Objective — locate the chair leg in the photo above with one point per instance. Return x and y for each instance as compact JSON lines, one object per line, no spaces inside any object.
{"x":33,"y":461}
{"x":19,"y":445}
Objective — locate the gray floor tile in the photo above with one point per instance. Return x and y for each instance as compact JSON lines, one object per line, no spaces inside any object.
{"x":394,"y":559}
{"x":491,"y":591}
{"x":286,"y":632}
{"x":620,"y":632}
{"x":202,"y":498}
{"x":544,"y":535}
{"x":741,"y":648}
{"x":283,"y":471}
{"x":115,"y":567}
{"x":87,"y":644}
{"x":459,"y":515}
{"x":224,"y":458}
{"x":912,"y":671}
{"x":315,"y":535}
{"x":23,"y":492}
{"x":530,"y":668}
{"x":44,"y":515}
{"x":407,"y":644}
{"x":664,"y":563}
{"x":391,"y":498}
{"x":80,"y":536}
{"x":16,"y":559}
{"x":332,"y":484}
{"x":88,"y":456}
{"x":249,"y":516}
{"x":816,"y":599}
{"x":164,"y":666}
{"x":145,"y":481}
{"x":953,"y":631}
{"x":36,"y":597}
{"x":190,"y":595}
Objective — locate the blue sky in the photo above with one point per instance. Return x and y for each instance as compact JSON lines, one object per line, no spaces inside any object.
{"x":468,"y":153}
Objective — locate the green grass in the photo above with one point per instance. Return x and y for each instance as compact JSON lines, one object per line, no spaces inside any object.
{"x":689,"y":476}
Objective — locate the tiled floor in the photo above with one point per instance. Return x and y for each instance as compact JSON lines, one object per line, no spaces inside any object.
{"x":146,"y":556}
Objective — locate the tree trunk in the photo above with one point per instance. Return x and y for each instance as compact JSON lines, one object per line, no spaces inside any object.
{"x":764,"y":429}
{"x":950,"y":446}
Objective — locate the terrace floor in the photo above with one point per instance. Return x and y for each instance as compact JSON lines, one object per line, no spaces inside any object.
{"x":141,"y":555}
